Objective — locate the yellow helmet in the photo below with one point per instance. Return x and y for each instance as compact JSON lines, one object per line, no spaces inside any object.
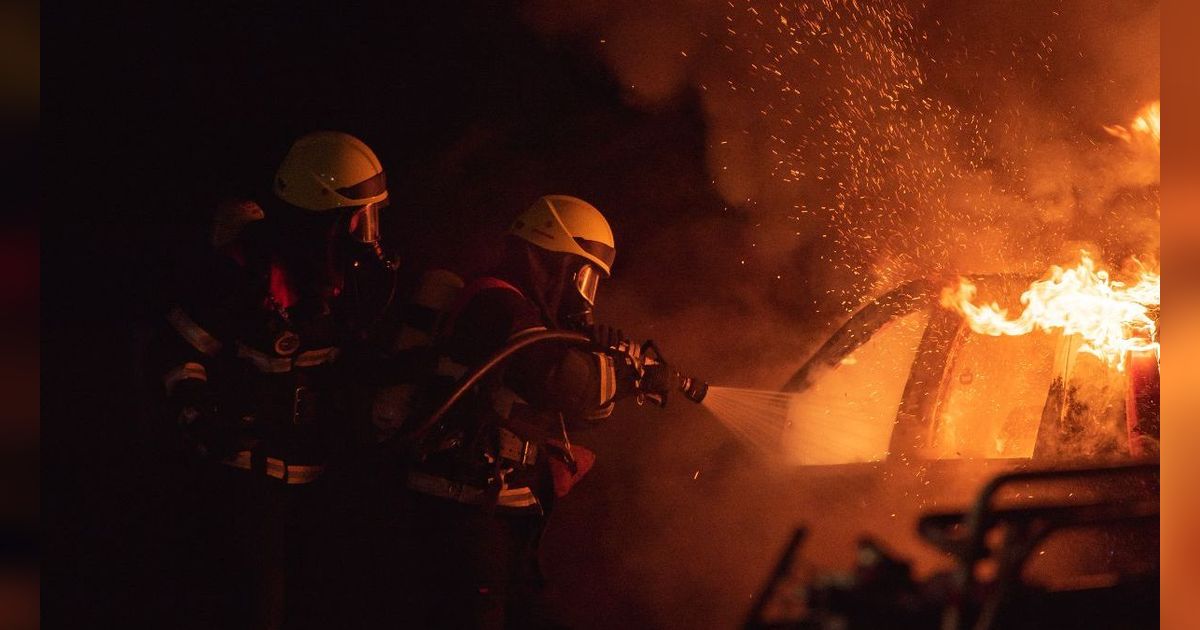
{"x":561,"y":223}
{"x":326,"y":170}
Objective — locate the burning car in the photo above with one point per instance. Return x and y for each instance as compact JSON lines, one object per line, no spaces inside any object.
{"x":923,"y":378}
{"x":957,"y":389}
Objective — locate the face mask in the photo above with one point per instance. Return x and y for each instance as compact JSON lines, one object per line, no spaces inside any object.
{"x":577,"y":305}
{"x":587,"y":280}
{"x":364,"y":222}
{"x":580,"y":319}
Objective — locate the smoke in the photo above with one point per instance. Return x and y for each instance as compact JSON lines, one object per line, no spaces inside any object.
{"x":901,"y":138}
{"x":856,"y":145}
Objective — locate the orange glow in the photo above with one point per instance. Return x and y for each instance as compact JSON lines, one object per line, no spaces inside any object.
{"x":1145,"y":128}
{"x":1148,"y":122}
{"x":1111,"y":317}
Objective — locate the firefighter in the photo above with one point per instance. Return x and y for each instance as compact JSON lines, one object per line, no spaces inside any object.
{"x":481,"y":485}
{"x":254,"y":366}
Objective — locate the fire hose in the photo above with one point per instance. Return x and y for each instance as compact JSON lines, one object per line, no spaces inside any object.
{"x":692,"y":388}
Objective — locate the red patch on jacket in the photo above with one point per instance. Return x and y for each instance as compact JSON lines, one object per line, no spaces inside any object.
{"x":564,"y":479}
{"x":281,"y":288}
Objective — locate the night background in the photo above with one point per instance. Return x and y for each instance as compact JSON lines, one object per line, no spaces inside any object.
{"x":734,"y":252}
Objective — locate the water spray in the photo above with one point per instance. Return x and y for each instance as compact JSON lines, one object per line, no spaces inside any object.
{"x":758,"y":417}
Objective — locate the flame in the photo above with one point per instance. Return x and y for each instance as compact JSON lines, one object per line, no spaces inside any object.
{"x":1145,"y":128}
{"x":1148,"y":122}
{"x":1111,"y":317}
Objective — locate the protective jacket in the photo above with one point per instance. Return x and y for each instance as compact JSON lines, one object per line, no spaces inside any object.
{"x":254,"y":358}
{"x":509,"y":445}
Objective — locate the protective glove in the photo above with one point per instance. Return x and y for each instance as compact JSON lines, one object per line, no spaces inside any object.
{"x":200,"y":421}
{"x":607,"y":337}
{"x":658,"y":380}
{"x":627,"y":358}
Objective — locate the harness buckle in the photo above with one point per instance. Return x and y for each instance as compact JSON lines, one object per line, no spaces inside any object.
{"x":299,"y":400}
{"x":516,"y":450}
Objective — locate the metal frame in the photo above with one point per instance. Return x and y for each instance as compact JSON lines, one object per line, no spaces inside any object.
{"x":964,"y":534}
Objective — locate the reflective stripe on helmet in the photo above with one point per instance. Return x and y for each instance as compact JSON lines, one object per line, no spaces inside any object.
{"x":324,"y":170}
{"x":367,"y":188}
{"x":599,"y":250}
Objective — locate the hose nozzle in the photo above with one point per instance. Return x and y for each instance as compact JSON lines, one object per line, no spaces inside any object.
{"x":660,"y":378}
{"x":693,"y":388}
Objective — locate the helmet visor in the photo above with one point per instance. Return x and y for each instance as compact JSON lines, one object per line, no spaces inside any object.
{"x":364,"y":222}
{"x":587,"y":279}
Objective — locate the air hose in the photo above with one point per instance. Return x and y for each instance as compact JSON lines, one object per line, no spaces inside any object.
{"x":692,"y":388}
{"x":472,"y":378}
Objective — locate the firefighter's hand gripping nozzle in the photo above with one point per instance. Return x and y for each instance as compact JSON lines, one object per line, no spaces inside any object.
{"x":659,"y":379}
{"x":656,"y":379}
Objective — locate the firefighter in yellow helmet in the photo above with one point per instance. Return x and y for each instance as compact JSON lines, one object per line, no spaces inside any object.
{"x":254,"y":370}
{"x":482,"y":484}
{"x":333,"y":172}
{"x":570,"y":226}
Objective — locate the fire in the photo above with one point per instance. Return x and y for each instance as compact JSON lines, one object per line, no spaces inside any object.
{"x":1148,"y":122}
{"x":1145,"y":128}
{"x":1112,"y":318}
